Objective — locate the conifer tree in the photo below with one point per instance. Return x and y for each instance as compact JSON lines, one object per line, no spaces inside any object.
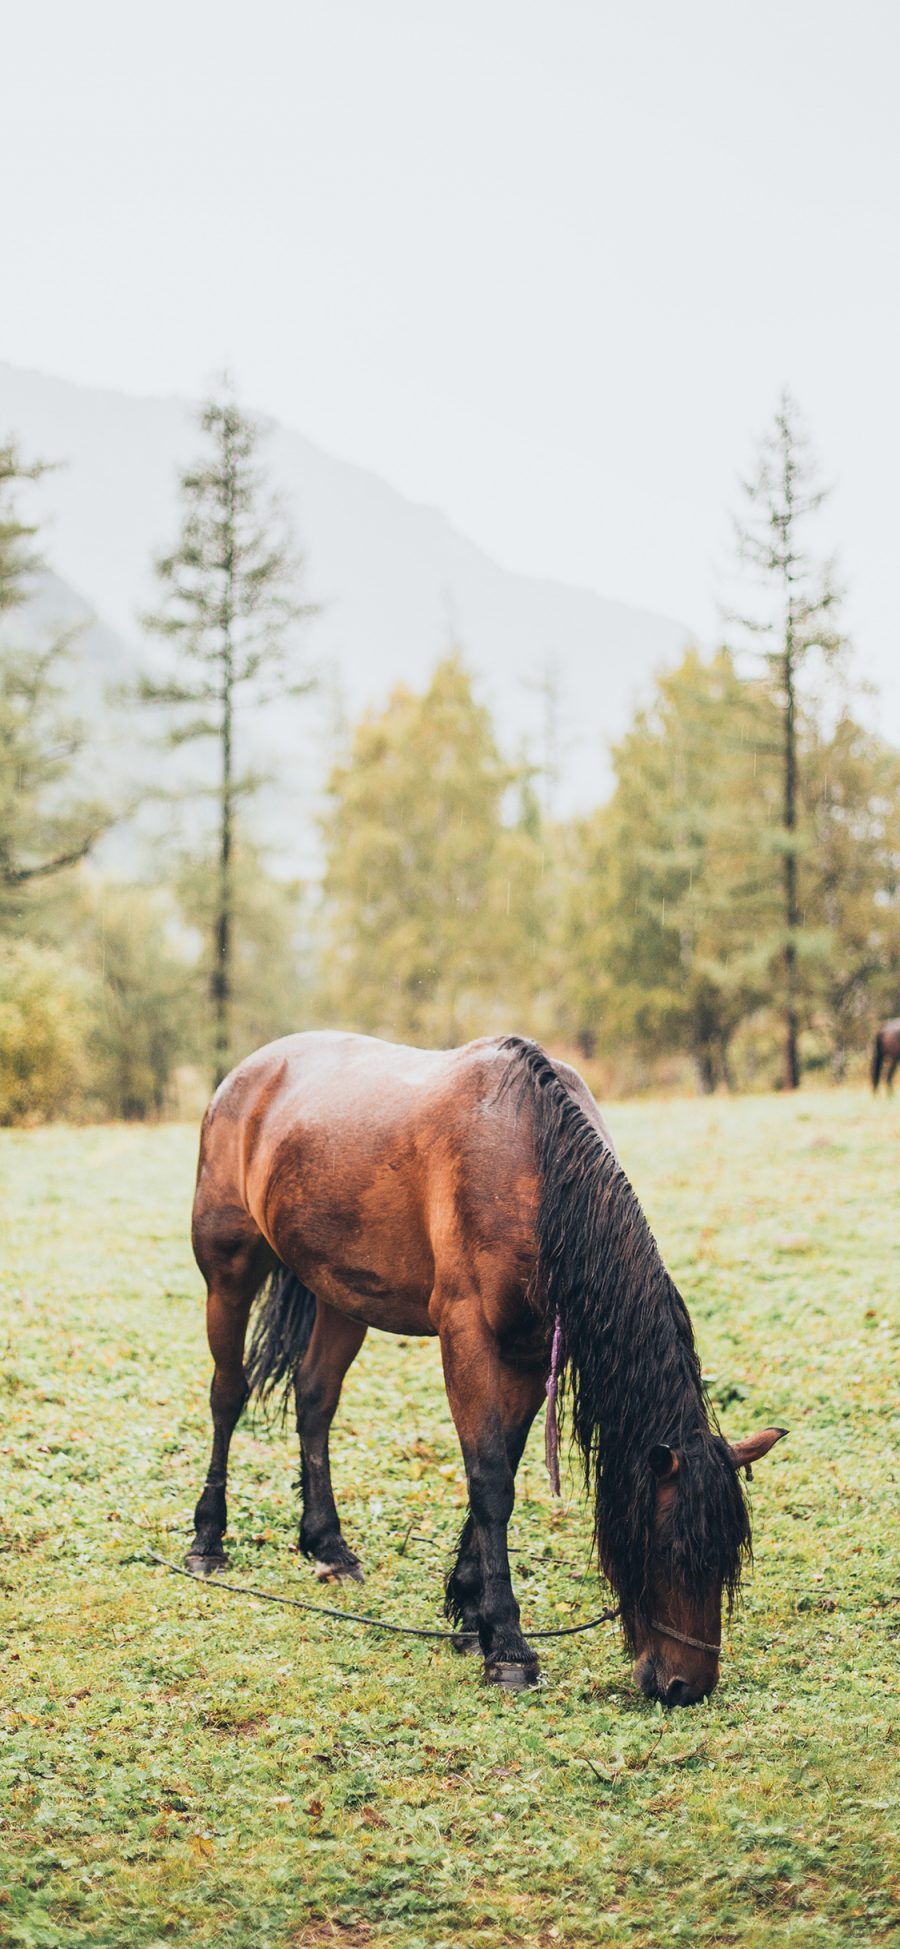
{"x":47,"y":823}
{"x":230,"y":615}
{"x":19,"y":558}
{"x":795,"y":613}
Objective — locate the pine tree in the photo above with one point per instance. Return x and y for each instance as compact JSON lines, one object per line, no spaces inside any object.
{"x":19,"y":558}
{"x":795,"y":614}
{"x":47,"y":824}
{"x":271,"y":982}
{"x":230,"y":616}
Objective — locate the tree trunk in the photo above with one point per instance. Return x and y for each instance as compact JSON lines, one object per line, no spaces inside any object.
{"x":221,"y":984}
{"x":725,"y":1066}
{"x":221,"y":973}
{"x":704,"y":1058}
{"x":791,"y":1066}
{"x":791,"y":1070}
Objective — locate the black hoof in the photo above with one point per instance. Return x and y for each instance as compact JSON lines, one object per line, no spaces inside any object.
{"x":513,"y":1678}
{"x":465,"y":1641}
{"x":205,"y":1566}
{"x":338,"y":1573}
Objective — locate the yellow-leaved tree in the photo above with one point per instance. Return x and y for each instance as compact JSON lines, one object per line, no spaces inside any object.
{"x":433,"y":872}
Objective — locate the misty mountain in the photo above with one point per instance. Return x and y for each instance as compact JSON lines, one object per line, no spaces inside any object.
{"x":560,"y":667}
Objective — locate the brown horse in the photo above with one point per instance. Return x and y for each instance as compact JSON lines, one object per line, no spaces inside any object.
{"x":886,"y":1049}
{"x":473,"y":1194}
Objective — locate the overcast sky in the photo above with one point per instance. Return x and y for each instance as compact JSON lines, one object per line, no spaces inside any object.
{"x":544,"y":263}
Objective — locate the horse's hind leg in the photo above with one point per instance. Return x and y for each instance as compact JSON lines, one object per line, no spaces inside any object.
{"x":334,"y":1343}
{"x":521,"y":1393}
{"x":231,"y":1289}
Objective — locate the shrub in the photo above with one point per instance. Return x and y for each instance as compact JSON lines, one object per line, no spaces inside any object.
{"x":44,"y":1011}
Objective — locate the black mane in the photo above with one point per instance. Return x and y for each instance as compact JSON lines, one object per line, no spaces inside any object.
{"x":631,"y":1372}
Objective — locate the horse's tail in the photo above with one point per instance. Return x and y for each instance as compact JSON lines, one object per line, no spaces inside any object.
{"x":284,"y":1319}
{"x":877,"y":1059}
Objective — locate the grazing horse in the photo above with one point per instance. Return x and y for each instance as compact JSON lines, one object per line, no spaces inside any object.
{"x":886,"y":1049}
{"x":473,"y":1194}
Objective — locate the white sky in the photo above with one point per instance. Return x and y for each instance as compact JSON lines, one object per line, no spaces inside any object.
{"x":544,"y":263}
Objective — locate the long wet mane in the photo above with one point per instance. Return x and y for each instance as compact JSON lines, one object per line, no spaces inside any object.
{"x":631,"y":1373}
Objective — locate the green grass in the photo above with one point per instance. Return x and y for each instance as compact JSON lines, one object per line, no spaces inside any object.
{"x":183,"y":1766}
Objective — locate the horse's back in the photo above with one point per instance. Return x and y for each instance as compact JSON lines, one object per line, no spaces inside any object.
{"x":373,"y":1169}
{"x":355,"y":1094}
{"x":334,"y":1115}
{"x":355,"y":1087}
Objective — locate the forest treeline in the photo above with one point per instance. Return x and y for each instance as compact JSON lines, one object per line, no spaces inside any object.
{"x":729,"y":916}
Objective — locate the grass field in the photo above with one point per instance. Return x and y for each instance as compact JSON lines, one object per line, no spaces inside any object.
{"x":184,"y":1766}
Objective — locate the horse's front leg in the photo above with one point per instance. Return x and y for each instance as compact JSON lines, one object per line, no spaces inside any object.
{"x":472,"y":1371}
{"x":334,"y":1343}
{"x":521,"y":1394}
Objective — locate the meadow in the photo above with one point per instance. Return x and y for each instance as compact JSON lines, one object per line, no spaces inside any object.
{"x":179,"y":1765}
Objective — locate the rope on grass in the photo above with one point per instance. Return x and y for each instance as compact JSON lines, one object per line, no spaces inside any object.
{"x":359,"y":1617}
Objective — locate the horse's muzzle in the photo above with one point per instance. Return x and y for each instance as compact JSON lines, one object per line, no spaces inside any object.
{"x":673,"y":1688}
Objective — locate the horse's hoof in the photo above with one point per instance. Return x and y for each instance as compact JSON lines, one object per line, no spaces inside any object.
{"x":465,"y":1641}
{"x":205,"y":1566}
{"x":338,"y":1573}
{"x":513,"y":1678}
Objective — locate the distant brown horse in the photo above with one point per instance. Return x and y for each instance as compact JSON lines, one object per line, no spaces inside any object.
{"x":886,"y":1051}
{"x":473,"y":1194}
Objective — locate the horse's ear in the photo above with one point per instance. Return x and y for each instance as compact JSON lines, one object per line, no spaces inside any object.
{"x":753,"y":1447}
{"x":663,"y":1461}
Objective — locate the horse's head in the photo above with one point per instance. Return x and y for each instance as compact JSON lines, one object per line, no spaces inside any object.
{"x":700,"y":1533}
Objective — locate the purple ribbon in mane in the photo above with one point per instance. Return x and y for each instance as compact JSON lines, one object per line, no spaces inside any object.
{"x":551,"y":1425}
